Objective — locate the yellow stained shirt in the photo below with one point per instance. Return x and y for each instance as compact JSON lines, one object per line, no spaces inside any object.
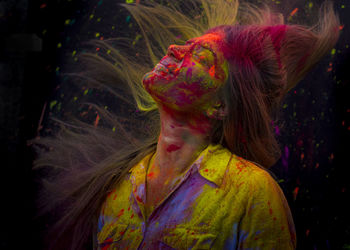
{"x":222,"y":202}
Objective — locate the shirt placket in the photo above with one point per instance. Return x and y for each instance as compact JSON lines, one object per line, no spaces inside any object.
{"x":147,"y":221}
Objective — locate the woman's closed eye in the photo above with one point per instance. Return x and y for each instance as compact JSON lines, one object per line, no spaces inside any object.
{"x":204,"y":56}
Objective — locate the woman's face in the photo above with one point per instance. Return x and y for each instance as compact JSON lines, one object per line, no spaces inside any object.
{"x":188,"y":76}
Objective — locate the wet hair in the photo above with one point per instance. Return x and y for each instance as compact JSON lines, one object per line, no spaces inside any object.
{"x":84,"y":162}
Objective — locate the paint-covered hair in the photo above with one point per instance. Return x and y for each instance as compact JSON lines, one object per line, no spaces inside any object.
{"x":83,"y":162}
{"x":266,"y":61}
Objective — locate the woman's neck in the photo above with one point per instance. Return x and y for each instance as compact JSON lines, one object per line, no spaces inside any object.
{"x":182,"y":138}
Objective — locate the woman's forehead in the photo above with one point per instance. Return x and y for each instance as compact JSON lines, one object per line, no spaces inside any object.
{"x":211,"y":38}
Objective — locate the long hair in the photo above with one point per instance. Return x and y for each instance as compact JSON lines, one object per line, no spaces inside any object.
{"x":267,"y":58}
{"x":84,"y":162}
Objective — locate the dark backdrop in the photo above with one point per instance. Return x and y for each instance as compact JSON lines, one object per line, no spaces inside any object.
{"x":39,"y":37}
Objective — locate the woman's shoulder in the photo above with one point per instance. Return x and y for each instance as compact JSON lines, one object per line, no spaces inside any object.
{"x":252,"y":178}
{"x":220,"y":165}
{"x":263,"y":200}
{"x":243,"y":167}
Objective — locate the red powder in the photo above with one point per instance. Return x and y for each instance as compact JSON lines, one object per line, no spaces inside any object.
{"x":106,"y":246}
{"x":138,"y":198}
{"x":121,"y":212}
{"x":172,"y":148}
{"x":294,"y":12}
{"x":97,"y":120}
{"x":212,"y":71}
{"x":295,"y":192}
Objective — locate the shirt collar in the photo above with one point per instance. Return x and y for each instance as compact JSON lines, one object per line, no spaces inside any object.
{"x":138,"y":181}
{"x":211,"y":164}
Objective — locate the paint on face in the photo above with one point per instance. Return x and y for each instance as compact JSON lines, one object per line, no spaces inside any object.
{"x":172,"y":147}
{"x":188,"y":76}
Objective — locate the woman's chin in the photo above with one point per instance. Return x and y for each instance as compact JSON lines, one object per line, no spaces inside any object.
{"x":149,"y":81}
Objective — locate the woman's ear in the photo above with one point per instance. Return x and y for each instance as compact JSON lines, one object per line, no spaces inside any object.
{"x":217,"y":112}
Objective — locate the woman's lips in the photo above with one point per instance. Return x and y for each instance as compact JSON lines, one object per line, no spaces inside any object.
{"x":167,"y":67}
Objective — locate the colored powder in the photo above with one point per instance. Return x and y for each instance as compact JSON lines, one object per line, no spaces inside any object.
{"x":294,"y":12}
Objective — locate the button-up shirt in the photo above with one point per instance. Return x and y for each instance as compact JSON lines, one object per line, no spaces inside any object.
{"x":222,"y":202}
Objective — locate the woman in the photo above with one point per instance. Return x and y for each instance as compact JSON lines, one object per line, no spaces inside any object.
{"x":200,"y":180}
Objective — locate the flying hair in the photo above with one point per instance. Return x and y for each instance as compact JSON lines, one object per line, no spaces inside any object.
{"x":268,"y":56}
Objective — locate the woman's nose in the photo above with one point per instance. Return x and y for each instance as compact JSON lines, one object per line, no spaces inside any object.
{"x":178,"y":51}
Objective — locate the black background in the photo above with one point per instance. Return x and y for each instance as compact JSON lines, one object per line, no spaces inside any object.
{"x":312,"y":171}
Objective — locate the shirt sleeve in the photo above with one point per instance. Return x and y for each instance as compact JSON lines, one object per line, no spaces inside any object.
{"x":267,"y":222}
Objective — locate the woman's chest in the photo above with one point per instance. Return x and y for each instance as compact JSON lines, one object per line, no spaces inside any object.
{"x":194,"y":215}
{"x":158,"y":190}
